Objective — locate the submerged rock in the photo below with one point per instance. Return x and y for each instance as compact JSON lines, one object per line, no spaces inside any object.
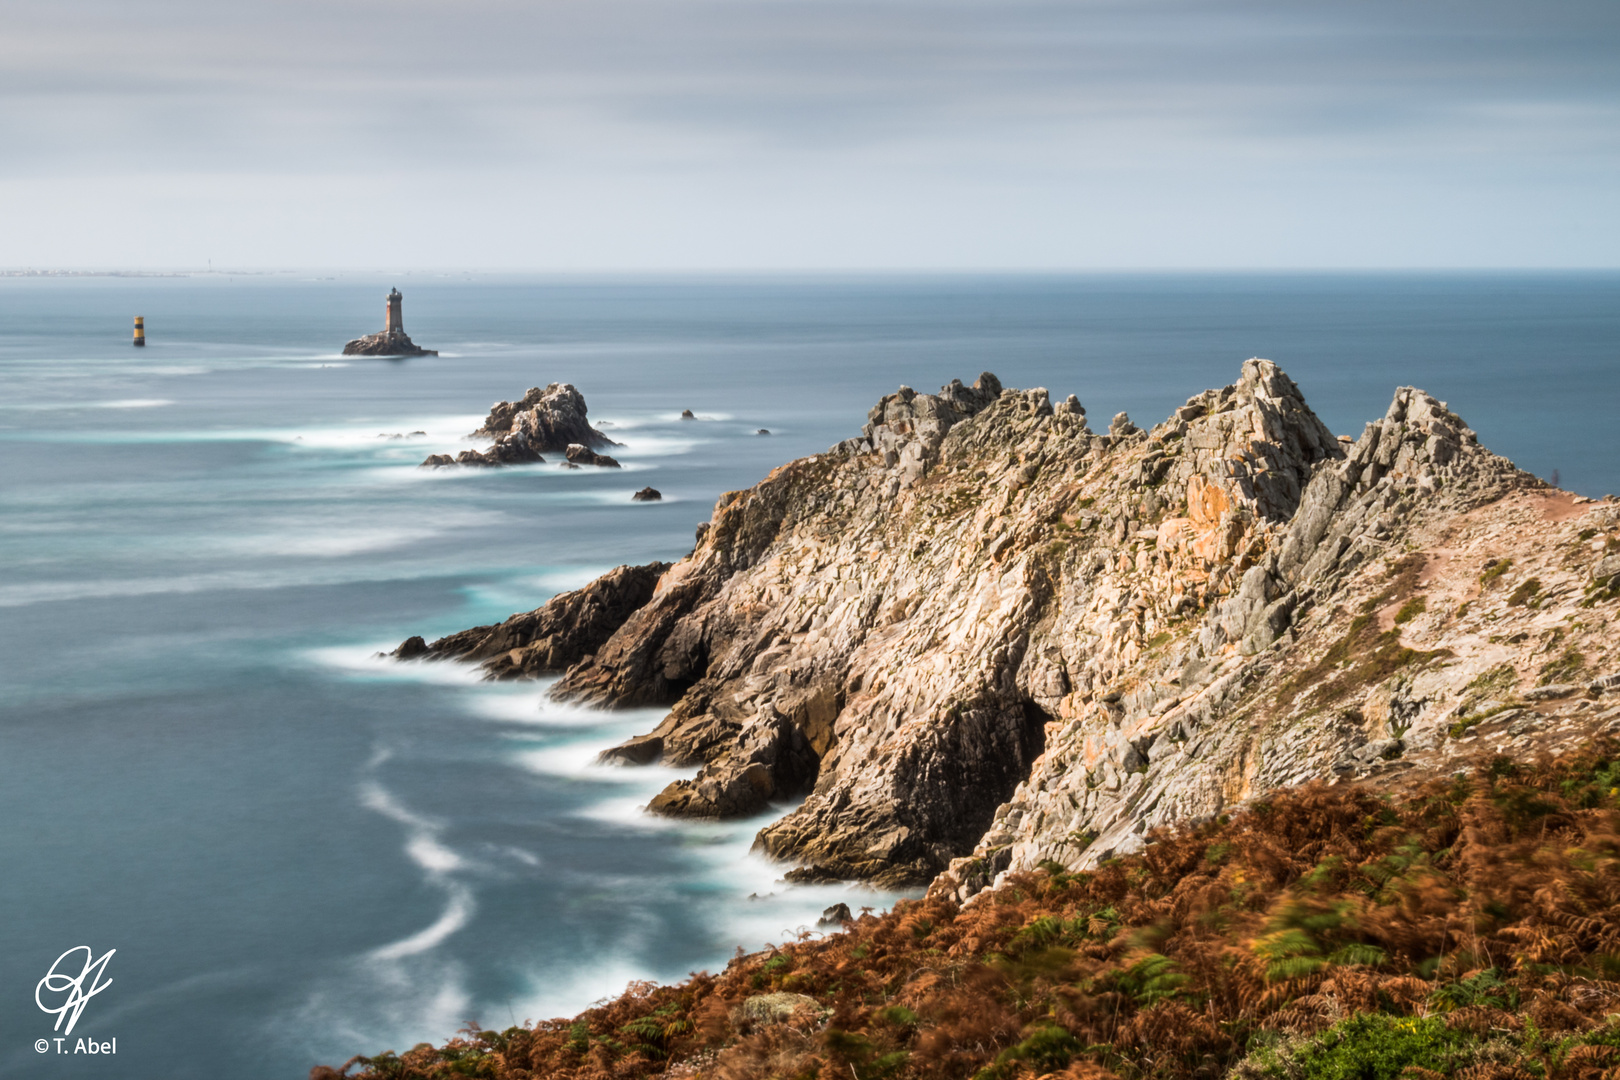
{"x":584,"y":455}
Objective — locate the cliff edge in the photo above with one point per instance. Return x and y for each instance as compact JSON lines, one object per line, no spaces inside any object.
{"x":980,"y":635}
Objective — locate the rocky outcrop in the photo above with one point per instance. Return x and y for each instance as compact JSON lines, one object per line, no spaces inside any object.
{"x":584,"y":455}
{"x":980,"y":635}
{"x":386,"y":343}
{"x":549,"y":421}
{"x":550,"y":638}
{"x":647,"y":494}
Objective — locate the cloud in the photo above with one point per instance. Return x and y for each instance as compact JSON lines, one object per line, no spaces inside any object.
{"x":797,"y":110}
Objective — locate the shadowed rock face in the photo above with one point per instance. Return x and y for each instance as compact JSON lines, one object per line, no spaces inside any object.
{"x":548,"y":421}
{"x":568,"y":628}
{"x":980,"y":635}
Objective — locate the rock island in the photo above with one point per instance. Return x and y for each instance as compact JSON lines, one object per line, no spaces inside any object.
{"x":392,"y":341}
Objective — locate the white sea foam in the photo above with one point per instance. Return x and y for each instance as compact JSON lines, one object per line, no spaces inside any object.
{"x":374,"y":797}
{"x":424,"y":848}
{"x":441,"y":433}
{"x":132,"y":403}
{"x":577,"y":760}
{"x":373,"y":662}
{"x":565,"y":579}
{"x":527,"y":858}
{"x":553,"y":993}
{"x":374,"y":1001}
{"x":70,"y":406}
{"x":331,"y":544}
{"x":457,"y":913}
{"x":42,"y":592}
{"x":432,"y":856}
{"x":642,"y":445}
{"x":526,"y":703}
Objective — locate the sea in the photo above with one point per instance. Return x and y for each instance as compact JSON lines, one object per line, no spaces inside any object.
{"x":297,"y":851}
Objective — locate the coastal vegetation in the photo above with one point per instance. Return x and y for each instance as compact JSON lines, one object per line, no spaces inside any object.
{"x":1467,"y":924}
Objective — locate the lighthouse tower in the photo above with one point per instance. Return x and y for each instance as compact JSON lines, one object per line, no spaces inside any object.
{"x":395,"y":323}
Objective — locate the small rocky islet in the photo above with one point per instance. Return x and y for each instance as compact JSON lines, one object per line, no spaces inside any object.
{"x":980,"y":637}
{"x":391,"y":340}
{"x":552,"y":420}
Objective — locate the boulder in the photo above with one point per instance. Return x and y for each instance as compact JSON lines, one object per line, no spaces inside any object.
{"x":765,"y":1010}
{"x":410,"y":649}
{"x":641,"y":750}
{"x":647,"y":494}
{"x":578,"y":454}
{"x":837,"y":915}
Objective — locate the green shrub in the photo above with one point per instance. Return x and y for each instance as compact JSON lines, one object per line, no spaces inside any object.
{"x":1526,"y":593}
{"x":1412,"y":609}
{"x":1367,"y":1046}
{"x":1047,"y":1049}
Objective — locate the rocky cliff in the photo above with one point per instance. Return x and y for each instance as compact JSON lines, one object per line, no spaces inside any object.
{"x":550,"y":421}
{"x":980,"y":635}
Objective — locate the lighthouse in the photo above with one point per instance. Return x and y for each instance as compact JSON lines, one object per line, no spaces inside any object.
{"x":392,"y":341}
{"x":395,"y":322}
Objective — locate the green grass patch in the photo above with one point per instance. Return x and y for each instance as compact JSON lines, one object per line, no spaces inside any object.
{"x":1569,"y":667}
{"x":1526,"y":593}
{"x":1411,"y":610}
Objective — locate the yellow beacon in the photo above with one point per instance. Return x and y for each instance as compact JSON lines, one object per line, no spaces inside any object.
{"x":140,"y":331}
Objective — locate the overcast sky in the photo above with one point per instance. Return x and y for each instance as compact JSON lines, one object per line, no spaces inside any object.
{"x":816,"y":134}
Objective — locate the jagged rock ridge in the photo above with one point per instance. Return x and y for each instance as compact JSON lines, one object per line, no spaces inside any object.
{"x":981,"y":635}
{"x":549,"y":421}
{"x":569,"y":628}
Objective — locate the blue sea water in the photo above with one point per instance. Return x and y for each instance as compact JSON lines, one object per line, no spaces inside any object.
{"x":302,"y":853}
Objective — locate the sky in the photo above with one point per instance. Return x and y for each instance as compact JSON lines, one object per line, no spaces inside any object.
{"x":586,"y":135}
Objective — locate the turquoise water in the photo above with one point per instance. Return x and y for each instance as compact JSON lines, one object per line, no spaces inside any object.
{"x":301,"y":853}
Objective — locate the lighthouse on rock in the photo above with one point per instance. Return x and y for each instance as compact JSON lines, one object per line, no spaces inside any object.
{"x":394,"y":321}
{"x":393,"y":341}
